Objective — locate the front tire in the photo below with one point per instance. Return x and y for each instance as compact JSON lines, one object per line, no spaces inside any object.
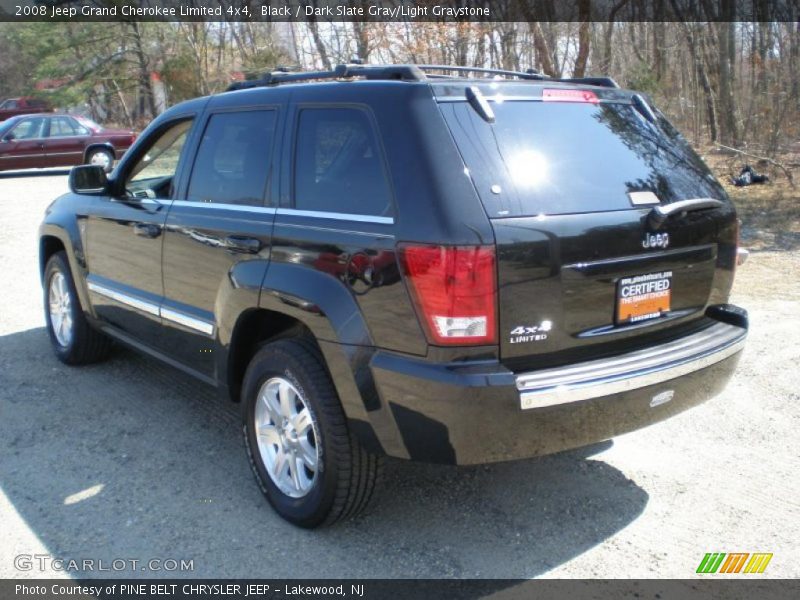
{"x":307,"y":463}
{"x":72,"y":338}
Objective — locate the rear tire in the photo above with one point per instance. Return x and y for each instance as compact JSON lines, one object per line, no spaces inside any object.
{"x":74,"y":341}
{"x":344,"y":476}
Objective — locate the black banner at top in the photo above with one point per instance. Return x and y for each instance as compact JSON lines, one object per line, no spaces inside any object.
{"x":400,"y":10}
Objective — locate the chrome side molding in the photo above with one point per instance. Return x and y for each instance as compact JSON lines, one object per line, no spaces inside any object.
{"x":123,"y":298}
{"x":187,"y":321}
{"x":606,"y":376}
{"x":151,"y":308}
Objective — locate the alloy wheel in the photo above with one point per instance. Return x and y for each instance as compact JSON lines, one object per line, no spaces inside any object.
{"x":287,"y":437}
{"x":60,"y":304}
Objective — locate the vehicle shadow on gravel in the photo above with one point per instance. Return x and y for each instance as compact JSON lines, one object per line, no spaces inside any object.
{"x":131,"y":459}
{"x":33,"y":173}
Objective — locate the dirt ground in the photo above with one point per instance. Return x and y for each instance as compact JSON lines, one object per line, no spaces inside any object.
{"x":130,"y":459}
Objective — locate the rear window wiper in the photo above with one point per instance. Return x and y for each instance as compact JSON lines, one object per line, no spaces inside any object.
{"x":660,"y":214}
{"x":479,"y":103}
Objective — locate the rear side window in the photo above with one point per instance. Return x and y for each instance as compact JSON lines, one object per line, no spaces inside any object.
{"x":573,"y":157}
{"x":62,"y":127}
{"x":338,"y":165}
{"x":233,"y":161}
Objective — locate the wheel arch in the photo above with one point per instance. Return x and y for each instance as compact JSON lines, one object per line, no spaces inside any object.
{"x":316,"y":307}
{"x":254,"y":328}
{"x":53,"y":237}
{"x":49,"y":244}
{"x":98,"y":145}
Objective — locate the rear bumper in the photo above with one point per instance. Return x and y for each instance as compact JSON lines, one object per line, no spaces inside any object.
{"x":644,"y":368}
{"x":481,"y":412}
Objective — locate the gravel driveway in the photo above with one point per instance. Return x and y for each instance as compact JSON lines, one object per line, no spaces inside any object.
{"x":133,"y":460}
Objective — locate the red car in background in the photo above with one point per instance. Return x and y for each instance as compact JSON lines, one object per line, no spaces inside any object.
{"x":59,"y":140}
{"x":23,"y":106}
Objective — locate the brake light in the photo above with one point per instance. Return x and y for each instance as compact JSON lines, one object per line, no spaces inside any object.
{"x":570,"y":96}
{"x":454,"y":289}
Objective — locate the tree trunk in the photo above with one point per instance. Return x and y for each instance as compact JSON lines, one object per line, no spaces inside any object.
{"x":542,"y":49}
{"x":584,"y":15}
{"x":318,"y":43}
{"x":147,"y":103}
{"x":362,"y":40}
{"x":702,"y":76}
{"x":725,"y":31}
{"x":658,"y":40}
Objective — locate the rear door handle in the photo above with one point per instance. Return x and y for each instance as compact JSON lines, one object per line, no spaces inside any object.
{"x":246,"y":245}
{"x":147,"y":230}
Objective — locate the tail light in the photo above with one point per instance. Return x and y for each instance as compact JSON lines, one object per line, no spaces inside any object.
{"x":454,"y":289}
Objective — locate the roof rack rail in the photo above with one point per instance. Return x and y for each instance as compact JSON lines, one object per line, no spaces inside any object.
{"x":343,"y":71}
{"x":529,"y":74}
{"x":402,"y":72}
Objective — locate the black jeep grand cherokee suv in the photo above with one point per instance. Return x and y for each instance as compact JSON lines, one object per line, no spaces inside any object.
{"x":401,"y":261}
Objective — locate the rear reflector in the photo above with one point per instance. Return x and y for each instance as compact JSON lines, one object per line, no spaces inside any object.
{"x":570,"y":96}
{"x":454,"y":289}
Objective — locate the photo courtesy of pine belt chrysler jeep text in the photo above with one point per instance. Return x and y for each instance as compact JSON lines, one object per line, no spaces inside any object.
{"x":434,"y":263}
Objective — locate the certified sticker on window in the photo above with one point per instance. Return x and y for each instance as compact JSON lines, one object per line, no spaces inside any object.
{"x":642,"y":297}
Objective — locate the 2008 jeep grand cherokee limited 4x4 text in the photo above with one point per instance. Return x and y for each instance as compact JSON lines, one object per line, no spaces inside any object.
{"x":414,"y":261}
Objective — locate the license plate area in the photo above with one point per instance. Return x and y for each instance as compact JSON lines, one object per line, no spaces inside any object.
{"x":643,"y":297}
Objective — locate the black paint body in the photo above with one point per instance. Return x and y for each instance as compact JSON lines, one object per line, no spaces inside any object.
{"x":402,"y":395}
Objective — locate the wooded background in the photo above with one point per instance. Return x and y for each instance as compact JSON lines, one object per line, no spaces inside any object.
{"x":734,"y":83}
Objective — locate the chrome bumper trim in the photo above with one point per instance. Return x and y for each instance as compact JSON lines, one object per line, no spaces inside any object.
{"x":606,"y":376}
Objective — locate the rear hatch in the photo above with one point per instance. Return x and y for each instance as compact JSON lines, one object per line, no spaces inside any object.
{"x":571,"y":179}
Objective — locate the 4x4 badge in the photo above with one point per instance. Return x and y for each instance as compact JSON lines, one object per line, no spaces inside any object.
{"x":530,"y":333}
{"x":655,"y":240}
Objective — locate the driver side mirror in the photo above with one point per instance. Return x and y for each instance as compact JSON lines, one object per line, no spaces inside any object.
{"x":89,"y":179}
{"x":9,"y":137}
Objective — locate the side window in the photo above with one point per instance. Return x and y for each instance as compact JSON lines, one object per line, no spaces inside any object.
{"x":29,"y":129}
{"x":61,"y":127}
{"x":338,"y":166}
{"x":152,"y":174}
{"x":8,"y":105}
{"x":77,"y":127}
{"x":233,"y":161}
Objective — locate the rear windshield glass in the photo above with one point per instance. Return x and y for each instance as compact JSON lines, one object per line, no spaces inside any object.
{"x":570,"y":157}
